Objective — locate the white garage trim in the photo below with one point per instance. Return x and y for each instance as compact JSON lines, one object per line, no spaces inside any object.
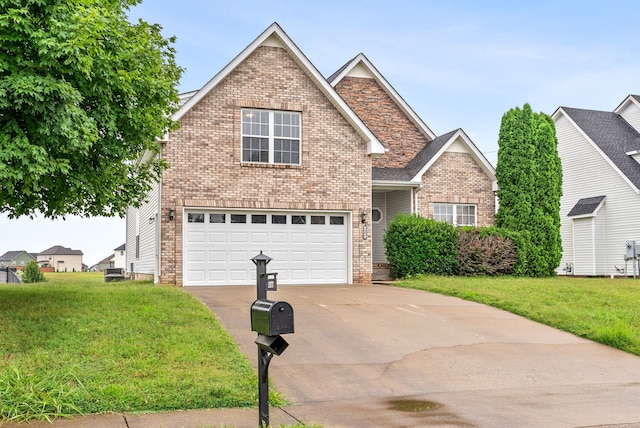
{"x":307,"y":247}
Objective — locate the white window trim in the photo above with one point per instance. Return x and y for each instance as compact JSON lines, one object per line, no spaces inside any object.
{"x":455,"y":213}
{"x":271,"y":137}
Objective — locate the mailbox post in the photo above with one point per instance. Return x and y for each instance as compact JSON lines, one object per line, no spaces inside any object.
{"x":269,"y":319}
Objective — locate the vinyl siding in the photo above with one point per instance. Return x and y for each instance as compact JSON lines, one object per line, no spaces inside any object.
{"x":587,"y":173}
{"x":391,"y":204}
{"x":379,"y":200}
{"x":145,"y":262}
{"x":631,"y":113}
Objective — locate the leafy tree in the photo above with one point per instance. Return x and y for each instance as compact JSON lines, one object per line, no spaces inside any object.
{"x":32,"y":273}
{"x":83,"y":94}
{"x":529,"y":175}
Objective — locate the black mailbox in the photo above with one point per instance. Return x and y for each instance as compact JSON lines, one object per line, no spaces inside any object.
{"x":271,"y":318}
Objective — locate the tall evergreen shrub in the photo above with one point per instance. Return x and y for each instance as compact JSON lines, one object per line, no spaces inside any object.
{"x":529,"y":175}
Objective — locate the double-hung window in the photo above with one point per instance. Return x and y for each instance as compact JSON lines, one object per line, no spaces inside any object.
{"x":271,"y":136}
{"x":456,"y":214}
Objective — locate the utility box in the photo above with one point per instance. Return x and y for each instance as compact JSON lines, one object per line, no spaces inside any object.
{"x":631,"y":250}
{"x":271,"y":318}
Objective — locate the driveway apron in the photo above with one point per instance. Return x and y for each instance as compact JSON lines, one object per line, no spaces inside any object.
{"x":377,"y":355}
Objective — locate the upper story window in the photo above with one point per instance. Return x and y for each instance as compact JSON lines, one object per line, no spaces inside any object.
{"x":270,"y":136}
{"x":456,"y":214}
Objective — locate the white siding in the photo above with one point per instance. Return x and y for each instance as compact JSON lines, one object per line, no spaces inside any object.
{"x":391,"y":204}
{"x":146,"y":255}
{"x":583,"y":247}
{"x":586,"y":173}
{"x":379,"y":200}
{"x":631,"y":113}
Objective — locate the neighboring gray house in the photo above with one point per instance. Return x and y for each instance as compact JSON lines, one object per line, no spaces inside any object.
{"x":16,"y":259}
{"x":600,"y":153}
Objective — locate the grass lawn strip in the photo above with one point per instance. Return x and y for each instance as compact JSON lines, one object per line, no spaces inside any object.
{"x":116,"y":347}
{"x":600,"y":309}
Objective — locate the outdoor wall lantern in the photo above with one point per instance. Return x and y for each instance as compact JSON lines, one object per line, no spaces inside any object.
{"x":152,"y":220}
{"x":172,"y":214}
{"x":363,"y":219}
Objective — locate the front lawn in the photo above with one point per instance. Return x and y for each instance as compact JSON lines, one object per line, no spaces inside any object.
{"x":601,"y":309}
{"x":78,"y":345}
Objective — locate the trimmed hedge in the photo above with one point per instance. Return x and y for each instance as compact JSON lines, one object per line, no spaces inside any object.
{"x":416,"y":245}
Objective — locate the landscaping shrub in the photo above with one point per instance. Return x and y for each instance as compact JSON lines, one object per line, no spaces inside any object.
{"x":416,"y":245}
{"x":481,"y":252}
{"x":32,"y":273}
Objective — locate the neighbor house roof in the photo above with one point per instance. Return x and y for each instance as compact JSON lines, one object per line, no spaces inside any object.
{"x":11,"y":255}
{"x":121,"y":247}
{"x":275,"y":36}
{"x":59,"y":250}
{"x":587,"y":207}
{"x":613,"y":136}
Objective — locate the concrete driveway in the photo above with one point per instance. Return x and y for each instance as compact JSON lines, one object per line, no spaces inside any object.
{"x":383,"y":356}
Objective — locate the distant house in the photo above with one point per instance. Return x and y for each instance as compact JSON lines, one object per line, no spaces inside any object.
{"x":61,"y":259}
{"x":106,"y":263}
{"x":600,"y":153}
{"x":17,"y":259}
{"x":120,"y":257}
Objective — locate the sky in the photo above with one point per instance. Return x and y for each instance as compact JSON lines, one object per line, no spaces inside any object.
{"x":457,"y":63}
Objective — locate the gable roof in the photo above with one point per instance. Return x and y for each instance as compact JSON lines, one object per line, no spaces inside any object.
{"x":635,"y":99}
{"x":429,"y":155}
{"x":59,"y":250}
{"x":587,"y":207}
{"x":362,"y":61}
{"x":613,"y":137}
{"x":12,"y":255}
{"x":275,"y":36}
{"x":121,"y":247}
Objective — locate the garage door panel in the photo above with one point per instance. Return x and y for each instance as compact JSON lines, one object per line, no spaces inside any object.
{"x":312,"y":252}
{"x":217,"y":237}
{"x":196,"y":256}
{"x":196,"y":237}
{"x":218,"y":256}
{"x":238,"y":237}
{"x":238,"y":256}
{"x":259,"y":237}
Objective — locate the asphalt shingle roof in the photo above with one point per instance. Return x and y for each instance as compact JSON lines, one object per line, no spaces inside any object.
{"x":586,"y":206}
{"x":613,"y":135}
{"x":60,"y":250}
{"x":416,"y":164}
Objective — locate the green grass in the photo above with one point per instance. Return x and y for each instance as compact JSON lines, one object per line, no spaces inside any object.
{"x":601,"y":309}
{"x":77,"y":345}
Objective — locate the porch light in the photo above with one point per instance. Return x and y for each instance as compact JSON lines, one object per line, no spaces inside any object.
{"x":172,"y":214}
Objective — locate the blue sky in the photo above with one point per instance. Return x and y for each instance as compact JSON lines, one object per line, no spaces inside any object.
{"x":459,"y":64}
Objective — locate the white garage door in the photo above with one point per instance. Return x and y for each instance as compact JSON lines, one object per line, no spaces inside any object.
{"x":306,"y":248}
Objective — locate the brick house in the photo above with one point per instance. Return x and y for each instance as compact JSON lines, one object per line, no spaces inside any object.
{"x":272,"y":156}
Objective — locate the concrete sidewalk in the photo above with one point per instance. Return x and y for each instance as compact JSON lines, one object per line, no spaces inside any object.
{"x":383,"y":356}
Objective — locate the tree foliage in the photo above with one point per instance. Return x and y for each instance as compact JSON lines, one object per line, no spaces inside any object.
{"x":83,"y":94}
{"x":32,"y":273}
{"x":529,"y":175}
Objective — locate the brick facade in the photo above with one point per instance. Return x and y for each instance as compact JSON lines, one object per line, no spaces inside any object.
{"x":457,"y":178}
{"x":205,"y":157}
{"x":385,"y":119}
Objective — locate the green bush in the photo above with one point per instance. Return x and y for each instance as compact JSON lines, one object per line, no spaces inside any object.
{"x":32,"y":273}
{"x":416,"y":245}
